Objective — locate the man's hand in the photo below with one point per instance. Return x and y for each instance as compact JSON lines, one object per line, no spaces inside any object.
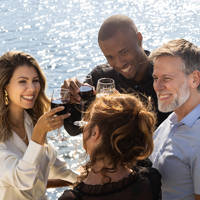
{"x":73,"y":85}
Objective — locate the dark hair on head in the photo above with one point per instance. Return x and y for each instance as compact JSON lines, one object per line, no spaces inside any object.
{"x":114,"y":24}
{"x":126,"y":127}
{"x":9,"y":62}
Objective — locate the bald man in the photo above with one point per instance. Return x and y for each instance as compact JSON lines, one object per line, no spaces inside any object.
{"x":128,"y":65}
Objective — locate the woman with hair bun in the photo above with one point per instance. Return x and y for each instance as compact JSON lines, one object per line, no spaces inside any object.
{"x":117,"y":135}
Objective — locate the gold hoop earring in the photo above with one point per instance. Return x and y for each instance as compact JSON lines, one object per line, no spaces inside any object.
{"x":6,"y":97}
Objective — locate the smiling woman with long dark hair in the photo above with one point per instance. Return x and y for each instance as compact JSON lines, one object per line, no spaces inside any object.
{"x":27,"y":161}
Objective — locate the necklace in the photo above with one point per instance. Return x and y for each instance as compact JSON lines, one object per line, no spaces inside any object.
{"x":16,"y":129}
{"x":24,"y":138}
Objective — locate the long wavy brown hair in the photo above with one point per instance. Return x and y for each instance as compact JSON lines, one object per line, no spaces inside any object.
{"x":9,"y":62}
{"x":126,"y":127}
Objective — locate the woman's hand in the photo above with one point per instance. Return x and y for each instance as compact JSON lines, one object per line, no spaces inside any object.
{"x":54,"y":183}
{"x":48,"y":122}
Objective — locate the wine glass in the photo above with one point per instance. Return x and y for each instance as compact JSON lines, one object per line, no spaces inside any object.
{"x":87,"y":94}
{"x":60,"y":97}
{"x":105,"y":86}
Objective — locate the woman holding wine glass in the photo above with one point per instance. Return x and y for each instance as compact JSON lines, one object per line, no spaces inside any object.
{"x":118,"y":133}
{"x":27,"y":160}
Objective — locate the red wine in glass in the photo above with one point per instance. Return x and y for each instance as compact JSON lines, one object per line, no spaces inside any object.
{"x":86,"y":92}
{"x":87,"y":95}
{"x":60,"y":102}
{"x":60,"y":97}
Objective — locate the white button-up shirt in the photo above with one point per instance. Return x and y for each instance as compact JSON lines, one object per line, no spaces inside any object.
{"x":24,"y":170}
{"x":177,"y":156}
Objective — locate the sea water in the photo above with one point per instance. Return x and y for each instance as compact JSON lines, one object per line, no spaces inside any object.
{"x":62,"y":36}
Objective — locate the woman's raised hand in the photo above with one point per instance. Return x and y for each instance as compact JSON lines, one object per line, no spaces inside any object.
{"x":48,"y":122}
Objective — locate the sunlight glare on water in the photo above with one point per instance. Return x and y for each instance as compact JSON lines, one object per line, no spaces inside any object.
{"x":62,"y":36}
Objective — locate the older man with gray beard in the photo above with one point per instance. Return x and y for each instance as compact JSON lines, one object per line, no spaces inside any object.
{"x":176,"y":152}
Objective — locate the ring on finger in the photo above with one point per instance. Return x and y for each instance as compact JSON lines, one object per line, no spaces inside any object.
{"x":52,"y":119}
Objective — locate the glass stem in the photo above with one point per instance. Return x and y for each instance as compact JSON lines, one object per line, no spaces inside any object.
{"x":82,"y":109}
{"x":59,"y":134}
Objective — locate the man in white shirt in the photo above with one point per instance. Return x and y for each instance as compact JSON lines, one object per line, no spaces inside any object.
{"x":176,"y":152}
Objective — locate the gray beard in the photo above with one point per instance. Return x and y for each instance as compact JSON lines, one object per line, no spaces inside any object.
{"x":178,"y":101}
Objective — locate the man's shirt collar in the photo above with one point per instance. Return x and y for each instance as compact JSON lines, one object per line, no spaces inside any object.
{"x":189,"y":119}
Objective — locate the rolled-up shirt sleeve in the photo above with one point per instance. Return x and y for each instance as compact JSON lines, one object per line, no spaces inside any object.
{"x":58,"y":168}
{"x":21,"y":172}
{"x":60,"y":171}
